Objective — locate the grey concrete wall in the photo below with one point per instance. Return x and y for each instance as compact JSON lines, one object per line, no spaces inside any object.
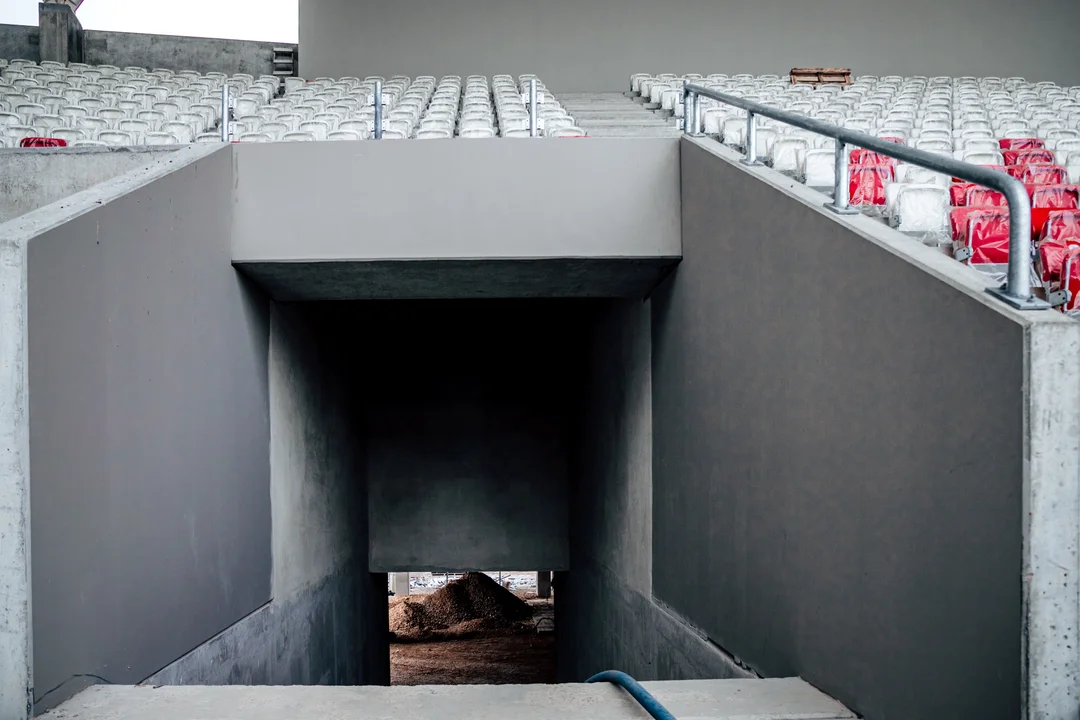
{"x":607,"y":615}
{"x":33,"y":178}
{"x":19,"y":41}
{"x":458,"y":200}
{"x":60,"y":36}
{"x":148,"y":433}
{"x":842,"y":441}
{"x":596,"y":45}
{"x":323,"y":619}
{"x":468,"y":408}
{"x":177,"y":53}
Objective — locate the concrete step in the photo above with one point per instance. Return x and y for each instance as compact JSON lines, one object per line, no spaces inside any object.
{"x":781,"y":699}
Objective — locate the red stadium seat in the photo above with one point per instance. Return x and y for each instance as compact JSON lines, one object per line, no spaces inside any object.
{"x":958,"y":193}
{"x":1039,"y":174}
{"x":1056,"y":197}
{"x":42,"y":142}
{"x":1051,"y":257}
{"x":1061,"y":225}
{"x":1028,"y":157}
{"x":1021,"y":143}
{"x":959,"y":217}
{"x":866,"y":184}
{"x":988,"y":237}
{"x":978,"y":196}
{"x":862,"y":156}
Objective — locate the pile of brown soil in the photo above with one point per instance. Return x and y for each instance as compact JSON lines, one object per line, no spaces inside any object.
{"x":409,"y":619}
{"x":475,"y":596}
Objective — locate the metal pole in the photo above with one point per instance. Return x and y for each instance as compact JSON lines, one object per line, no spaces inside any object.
{"x":841,"y":187}
{"x":697,"y":114}
{"x":751,"y":140}
{"x":377,"y":99}
{"x":225,"y":135}
{"x":532,"y":108}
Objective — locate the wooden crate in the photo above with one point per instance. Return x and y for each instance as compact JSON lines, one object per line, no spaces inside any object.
{"x":821,"y":76}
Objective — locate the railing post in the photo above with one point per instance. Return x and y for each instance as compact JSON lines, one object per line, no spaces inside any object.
{"x":697,"y":114}
{"x":841,"y":188}
{"x":225,"y":130}
{"x":751,"y":140}
{"x":686,"y":103}
{"x":533,"y":124}
{"x":377,"y":98}
{"x":1017,"y":288}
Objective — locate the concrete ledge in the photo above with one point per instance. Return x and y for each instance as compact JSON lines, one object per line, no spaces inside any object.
{"x":458,"y":279}
{"x":783,"y":699}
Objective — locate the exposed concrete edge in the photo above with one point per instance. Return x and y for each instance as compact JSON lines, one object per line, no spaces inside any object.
{"x":455,"y":258}
{"x":1051,"y":522}
{"x":737,"y":667}
{"x":36,"y":222}
{"x":16,"y":650}
{"x":961,"y":277}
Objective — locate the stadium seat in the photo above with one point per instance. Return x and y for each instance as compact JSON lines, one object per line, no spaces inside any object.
{"x":1039,"y":174}
{"x":1028,"y":156}
{"x":1055,"y":197}
{"x":866,"y":184}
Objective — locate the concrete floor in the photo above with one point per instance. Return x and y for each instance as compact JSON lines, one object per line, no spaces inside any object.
{"x":781,"y":699}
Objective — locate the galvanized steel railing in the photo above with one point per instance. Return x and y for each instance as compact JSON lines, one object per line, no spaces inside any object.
{"x":1017,"y":288}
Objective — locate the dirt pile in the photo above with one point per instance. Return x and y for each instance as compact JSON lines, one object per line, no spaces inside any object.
{"x":409,"y":619}
{"x":475,"y":596}
{"x":471,"y":604}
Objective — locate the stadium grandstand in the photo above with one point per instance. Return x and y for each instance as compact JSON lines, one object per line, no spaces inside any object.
{"x":776,"y":373}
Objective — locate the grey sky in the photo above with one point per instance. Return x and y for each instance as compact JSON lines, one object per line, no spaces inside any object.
{"x":267,"y":20}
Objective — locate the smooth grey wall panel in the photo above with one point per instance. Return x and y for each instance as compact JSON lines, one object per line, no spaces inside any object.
{"x":606,"y":612}
{"x":468,"y":430}
{"x":596,"y":44}
{"x":839,"y":446}
{"x":149,"y":432}
{"x":458,"y":200}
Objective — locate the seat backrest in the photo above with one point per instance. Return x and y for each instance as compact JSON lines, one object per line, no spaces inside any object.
{"x":979,"y":196}
{"x":1028,"y":156}
{"x":1057,"y":197}
{"x":988,"y":236}
{"x":922,"y":208}
{"x":1039,"y":174}
{"x":866,"y":184}
{"x":983,"y":158}
{"x":819,"y":168}
{"x":1061,"y":225}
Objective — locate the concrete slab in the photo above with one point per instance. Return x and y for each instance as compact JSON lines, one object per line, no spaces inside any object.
{"x":775,"y":699}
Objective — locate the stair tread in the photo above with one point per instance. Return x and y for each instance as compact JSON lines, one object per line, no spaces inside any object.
{"x":773,"y":699}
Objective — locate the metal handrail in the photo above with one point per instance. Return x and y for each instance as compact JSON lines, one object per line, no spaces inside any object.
{"x":1017,"y":288}
{"x":644,"y":698}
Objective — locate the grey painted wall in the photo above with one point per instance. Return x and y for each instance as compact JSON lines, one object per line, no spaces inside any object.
{"x":19,"y":41}
{"x":33,"y":178}
{"x":606,"y":613}
{"x":468,"y":413}
{"x":846,"y":458}
{"x":180,"y":53}
{"x":148,"y":434}
{"x":458,"y":200}
{"x":596,"y":44}
{"x":325,"y":619}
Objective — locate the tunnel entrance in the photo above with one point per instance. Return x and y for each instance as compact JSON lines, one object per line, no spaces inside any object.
{"x":477,"y":628}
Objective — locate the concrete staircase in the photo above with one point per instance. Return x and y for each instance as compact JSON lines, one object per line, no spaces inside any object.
{"x":617,"y":115}
{"x":780,"y":699}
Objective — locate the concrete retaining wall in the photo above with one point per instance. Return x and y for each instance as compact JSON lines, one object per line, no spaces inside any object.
{"x":849,"y":435}
{"x":33,"y":178}
{"x":149,"y":427}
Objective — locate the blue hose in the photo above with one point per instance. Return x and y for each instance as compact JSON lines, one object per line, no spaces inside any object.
{"x":632,"y":686}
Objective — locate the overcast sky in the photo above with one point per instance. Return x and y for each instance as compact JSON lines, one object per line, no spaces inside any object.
{"x":274,"y":20}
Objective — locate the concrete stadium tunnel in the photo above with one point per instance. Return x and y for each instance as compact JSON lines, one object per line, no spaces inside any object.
{"x":752,"y":439}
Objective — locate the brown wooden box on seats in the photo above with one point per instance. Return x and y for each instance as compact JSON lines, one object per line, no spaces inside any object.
{"x":821,"y":76}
